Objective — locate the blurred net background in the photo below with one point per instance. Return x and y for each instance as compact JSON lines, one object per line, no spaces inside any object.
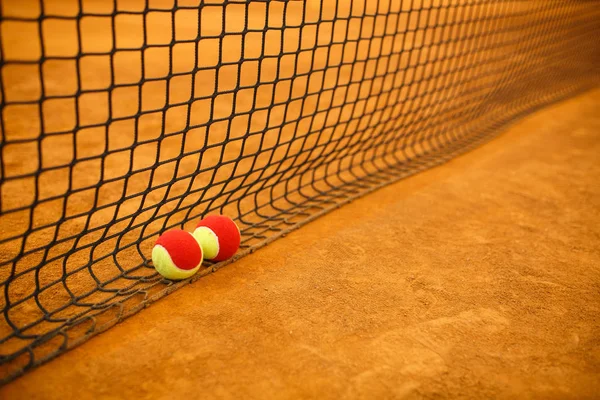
{"x":120,"y":119}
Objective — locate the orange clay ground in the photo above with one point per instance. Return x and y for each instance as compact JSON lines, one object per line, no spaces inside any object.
{"x":477,"y":279}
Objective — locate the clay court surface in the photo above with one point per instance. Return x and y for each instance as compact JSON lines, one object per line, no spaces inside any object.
{"x":477,"y":279}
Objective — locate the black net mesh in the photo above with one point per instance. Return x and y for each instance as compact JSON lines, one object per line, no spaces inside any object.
{"x":123,"y":118}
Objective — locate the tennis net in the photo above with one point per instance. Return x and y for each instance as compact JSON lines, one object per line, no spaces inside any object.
{"x":121,"y":119}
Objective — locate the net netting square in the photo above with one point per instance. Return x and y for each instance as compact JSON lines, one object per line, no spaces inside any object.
{"x":121,"y":119}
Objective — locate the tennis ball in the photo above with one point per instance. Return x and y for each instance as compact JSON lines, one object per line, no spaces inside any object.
{"x":176,"y":255}
{"x":218,"y":236}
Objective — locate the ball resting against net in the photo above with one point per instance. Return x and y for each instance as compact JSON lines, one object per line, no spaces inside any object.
{"x":177,"y":255}
{"x":218,"y":236}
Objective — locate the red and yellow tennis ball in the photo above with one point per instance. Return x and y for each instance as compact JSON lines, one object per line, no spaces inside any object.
{"x":218,"y":236}
{"x":177,"y":255}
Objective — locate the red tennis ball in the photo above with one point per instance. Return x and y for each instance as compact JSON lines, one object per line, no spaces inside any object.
{"x":177,"y":255}
{"x":218,"y":236}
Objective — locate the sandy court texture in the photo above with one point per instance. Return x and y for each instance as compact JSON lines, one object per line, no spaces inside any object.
{"x":478,"y":279}
{"x":122,"y":119}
